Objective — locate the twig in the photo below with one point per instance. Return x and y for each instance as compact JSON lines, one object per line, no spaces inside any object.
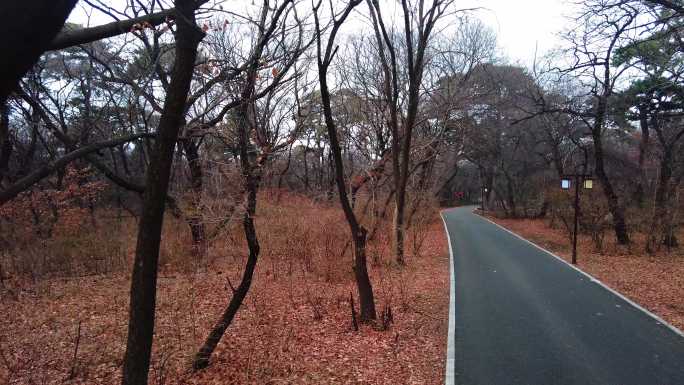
{"x":355,"y":323}
{"x":232,"y":288}
{"x":72,"y":372}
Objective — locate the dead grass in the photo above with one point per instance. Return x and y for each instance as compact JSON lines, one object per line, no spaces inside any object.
{"x":656,"y":281}
{"x":293,"y":328}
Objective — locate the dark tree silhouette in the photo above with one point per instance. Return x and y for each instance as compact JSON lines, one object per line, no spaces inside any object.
{"x":144,"y":277}
{"x":28,"y":27}
{"x":326,"y":52}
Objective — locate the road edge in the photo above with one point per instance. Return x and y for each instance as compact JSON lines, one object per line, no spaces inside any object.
{"x":589,"y":276}
{"x":450,"y":370}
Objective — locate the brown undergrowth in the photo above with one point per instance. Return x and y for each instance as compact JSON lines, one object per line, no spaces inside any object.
{"x":294,"y":327}
{"x":655,"y":281}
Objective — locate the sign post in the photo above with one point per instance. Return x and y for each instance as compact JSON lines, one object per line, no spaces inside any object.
{"x":588,"y":184}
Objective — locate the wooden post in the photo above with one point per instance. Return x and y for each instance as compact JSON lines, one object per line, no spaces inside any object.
{"x":576,"y":224}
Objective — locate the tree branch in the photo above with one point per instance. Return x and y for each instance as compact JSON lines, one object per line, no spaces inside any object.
{"x":70,"y":38}
{"x":26,"y":182}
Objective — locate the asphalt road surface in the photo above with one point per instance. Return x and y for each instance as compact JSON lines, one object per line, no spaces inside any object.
{"x":524,"y":317}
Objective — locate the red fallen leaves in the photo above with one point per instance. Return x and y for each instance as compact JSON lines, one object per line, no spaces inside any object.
{"x":656,"y":282}
{"x":59,"y":212}
{"x":274,"y":339}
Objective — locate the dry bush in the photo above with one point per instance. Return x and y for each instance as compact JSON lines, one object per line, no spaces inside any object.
{"x":594,"y":216}
{"x":93,"y":250}
{"x":419,"y":224}
{"x":60,"y":233}
{"x":562,"y":211}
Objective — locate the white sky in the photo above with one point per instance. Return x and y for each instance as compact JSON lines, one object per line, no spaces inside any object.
{"x":520,"y":25}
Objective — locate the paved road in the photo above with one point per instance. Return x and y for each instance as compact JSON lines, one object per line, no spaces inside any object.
{"x":524,"y":317}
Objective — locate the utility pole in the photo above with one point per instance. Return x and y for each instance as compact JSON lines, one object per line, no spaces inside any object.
{"x":576,"y":224}
{"x":482,"y":192}
{"x":588,"y":183}
{"x":482,"y":198}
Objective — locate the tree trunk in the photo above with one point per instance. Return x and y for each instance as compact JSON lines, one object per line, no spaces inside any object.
{"x":398,"y":228}
{"x":5,"y":142}
{"x":616,"y":210}
{"x":643,"y":149}
{"x":29,"y":155}
{"x":659,"y":222}
{"x":544,"y":209}
{"x":510,"y":197}
{"x":251,"y":183}
{"x":195,"y":219}
{"x":443,"y":193}
{"x":306,"y":166}
{"x":245,"y":122}
{"x":144,"y":277}
{"x":358,"y":232}
{"x":281,"y":175}
{"x":669,"y":237}
{"x":202,"y":357}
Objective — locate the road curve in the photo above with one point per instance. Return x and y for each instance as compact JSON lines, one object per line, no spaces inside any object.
{"x":524,"y":317}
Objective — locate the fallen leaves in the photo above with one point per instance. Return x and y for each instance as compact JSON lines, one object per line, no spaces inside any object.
{"x":276,"y":338}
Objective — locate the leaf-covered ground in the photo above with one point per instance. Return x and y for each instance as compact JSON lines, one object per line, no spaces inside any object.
{"x":294,"y":328}
{"x":655,"y":281}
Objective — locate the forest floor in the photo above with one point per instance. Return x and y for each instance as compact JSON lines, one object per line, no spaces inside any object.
{"x":654,"y":281}
{"x":294,"y":327}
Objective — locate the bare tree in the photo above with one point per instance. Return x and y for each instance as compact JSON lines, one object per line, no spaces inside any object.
{"x":326,"y":50}
{"x":593,"y":46}
{"x":144,"y":276}
{"x":254,"y":153}
{"x":419,"y":22}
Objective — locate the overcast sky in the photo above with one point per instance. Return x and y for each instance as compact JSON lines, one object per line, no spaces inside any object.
{"x":520,"y":24}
